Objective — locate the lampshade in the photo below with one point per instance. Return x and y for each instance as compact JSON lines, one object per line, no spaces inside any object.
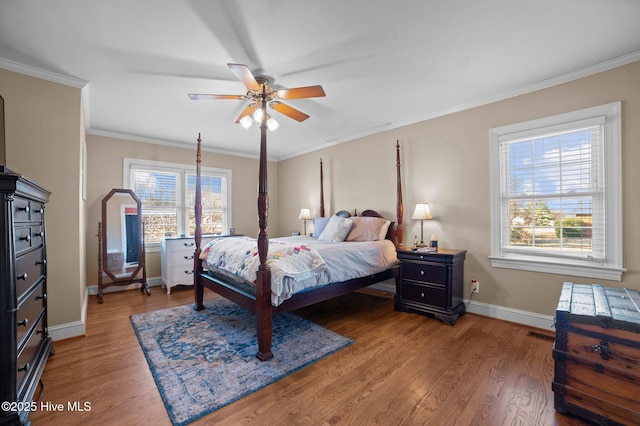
{"x":422,"y":212}
{"x":305,"y":214}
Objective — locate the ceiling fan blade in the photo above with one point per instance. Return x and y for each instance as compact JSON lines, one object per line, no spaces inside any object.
{"x":245,"y":76}
{"x":289,"y":111}
{"x":301,"y":92}
{"x":198,"y":97}
{"x":247,"y":111}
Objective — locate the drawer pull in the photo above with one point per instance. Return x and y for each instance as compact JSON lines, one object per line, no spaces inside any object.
{"x":188,"y":272}
{"x":41,"y":211}
{"x":41,"y":262}
{"x":24,"y":322}
{"x":43,"y":297}
{"x":421,"y":272}
{"x":40,"y":234}
{"x":24,"y":209}
{"x":421,"y":294}
{"x":189,"y":244}
{"x":22,"y":276}
{"x":188,"y":257}
{"x":41,"y":330}
{"x":26,"y":238}
{"x":24,"y":367}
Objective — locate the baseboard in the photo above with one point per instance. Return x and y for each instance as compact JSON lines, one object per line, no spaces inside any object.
{"x":531,"y":319}
{"x":77,"y":328}
{"x":153,"y":282}
{"x":68,"y":330}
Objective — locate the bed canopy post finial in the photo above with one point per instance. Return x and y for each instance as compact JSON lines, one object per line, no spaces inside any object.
{"x":321,"y":190}
{"x":400,"y":206}
{"x":198,"y":290}
{"x":264,"y":312}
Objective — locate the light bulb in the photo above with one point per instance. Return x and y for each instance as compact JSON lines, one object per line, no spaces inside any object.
{"x":272,"y":124}
{"x":258,"y":115}
{"x":246,"y":122}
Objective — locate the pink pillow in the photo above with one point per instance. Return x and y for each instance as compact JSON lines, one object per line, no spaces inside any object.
{"x":365,"y":229}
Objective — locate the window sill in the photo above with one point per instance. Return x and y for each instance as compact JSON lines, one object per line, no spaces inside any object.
{"x":550,"y":267}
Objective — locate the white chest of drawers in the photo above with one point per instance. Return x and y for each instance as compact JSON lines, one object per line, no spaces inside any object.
{"x":177,"y":260}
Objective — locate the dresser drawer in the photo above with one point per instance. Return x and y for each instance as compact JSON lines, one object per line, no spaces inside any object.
{"x":25,"y":210}
{"x":29,"y":269}
{"x":180,"y":245}
{"x":21,"y":209}
{"x":181,"y":274}
{"x":26,"y":358}
{"x":425,"y":272}
{"x":28,"y":312}
{"x":426,"y":294}
{"x":26,"y":237}
{"x":37,"y":211}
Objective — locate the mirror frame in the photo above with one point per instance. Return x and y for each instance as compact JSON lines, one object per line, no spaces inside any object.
{"x":141,"y":260}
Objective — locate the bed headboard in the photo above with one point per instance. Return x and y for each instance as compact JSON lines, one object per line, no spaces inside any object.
{"x":395,"y":233}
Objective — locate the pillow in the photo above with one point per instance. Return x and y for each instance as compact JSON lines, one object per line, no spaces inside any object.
{"x":365,"y":229}
{"x":336,"y":230}
{"x":384,"y":229}
{"x":319,"y":223}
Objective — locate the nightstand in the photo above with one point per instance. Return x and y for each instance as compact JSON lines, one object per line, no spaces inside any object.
{"x":431,"y":283}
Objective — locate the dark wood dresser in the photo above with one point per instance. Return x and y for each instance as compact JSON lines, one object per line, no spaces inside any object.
{"x":431,"y":283}
{"x":597,"y":354}
{"x":25,"y":344}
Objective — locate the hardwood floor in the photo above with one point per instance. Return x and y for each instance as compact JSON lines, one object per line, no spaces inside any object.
{"x":403,"y":369}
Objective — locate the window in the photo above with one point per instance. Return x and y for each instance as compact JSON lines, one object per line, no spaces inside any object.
{"x":556,"y":194}
{"x":167,"y":194}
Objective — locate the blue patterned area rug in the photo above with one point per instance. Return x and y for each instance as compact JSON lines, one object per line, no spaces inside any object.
{"x":204,"y":360}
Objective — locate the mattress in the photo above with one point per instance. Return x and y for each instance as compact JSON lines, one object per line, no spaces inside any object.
{"x":301,"y":262}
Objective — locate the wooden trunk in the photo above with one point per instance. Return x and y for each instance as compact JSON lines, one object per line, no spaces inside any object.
{"x":597,"y":354}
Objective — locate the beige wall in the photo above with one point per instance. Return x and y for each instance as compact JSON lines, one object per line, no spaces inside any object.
{"x":104,"y":172}
{"x":44,"y":133}
{"x":446,"y":163}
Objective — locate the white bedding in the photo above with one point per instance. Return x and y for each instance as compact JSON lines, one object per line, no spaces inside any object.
{"x":342,"y":261}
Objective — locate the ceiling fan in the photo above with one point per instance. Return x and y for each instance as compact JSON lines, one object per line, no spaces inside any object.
{"x":261,"y":94}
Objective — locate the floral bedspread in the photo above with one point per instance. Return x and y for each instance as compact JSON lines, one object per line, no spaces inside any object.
{"x":239,"y":256}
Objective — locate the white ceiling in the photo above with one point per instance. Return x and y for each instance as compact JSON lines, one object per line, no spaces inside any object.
{"x":383,"y":64}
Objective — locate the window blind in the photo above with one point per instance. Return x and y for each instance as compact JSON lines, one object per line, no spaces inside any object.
{"x":552,"y":191}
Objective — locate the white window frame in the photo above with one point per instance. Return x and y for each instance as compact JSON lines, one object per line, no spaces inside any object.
{"x":183,"y":170}
{"x":611,"y":268}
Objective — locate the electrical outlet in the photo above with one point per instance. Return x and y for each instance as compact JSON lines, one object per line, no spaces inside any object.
{"x":475,"y":286}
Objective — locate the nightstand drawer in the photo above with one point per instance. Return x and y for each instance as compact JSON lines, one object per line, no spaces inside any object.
{"x":425,"y":272}
{"x":424,"y":294}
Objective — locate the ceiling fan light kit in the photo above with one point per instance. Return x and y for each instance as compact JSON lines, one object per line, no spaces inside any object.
{"x":259,"y":91}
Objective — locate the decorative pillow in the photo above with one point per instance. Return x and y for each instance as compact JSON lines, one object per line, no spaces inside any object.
{"x":319,"y":223}
{"x":336,"y":230}
{"x":384,"y":229}
{"x":365,"y":229}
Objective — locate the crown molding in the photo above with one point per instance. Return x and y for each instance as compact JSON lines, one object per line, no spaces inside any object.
{"x":540,"y":85}
{"x":54,"y":77}
{"x":183,"y":145}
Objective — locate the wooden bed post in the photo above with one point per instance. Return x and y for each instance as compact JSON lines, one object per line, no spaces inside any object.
{"x":400,"y":207}
{"x":198,"y":290}
{"x":264,"y":311}
{"x":321,"y":190}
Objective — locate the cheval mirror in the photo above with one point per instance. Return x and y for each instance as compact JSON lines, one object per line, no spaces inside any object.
{"x":121,"y":257}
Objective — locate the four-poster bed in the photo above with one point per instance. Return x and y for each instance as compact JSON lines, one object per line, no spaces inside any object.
{"x":257,"y":296}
